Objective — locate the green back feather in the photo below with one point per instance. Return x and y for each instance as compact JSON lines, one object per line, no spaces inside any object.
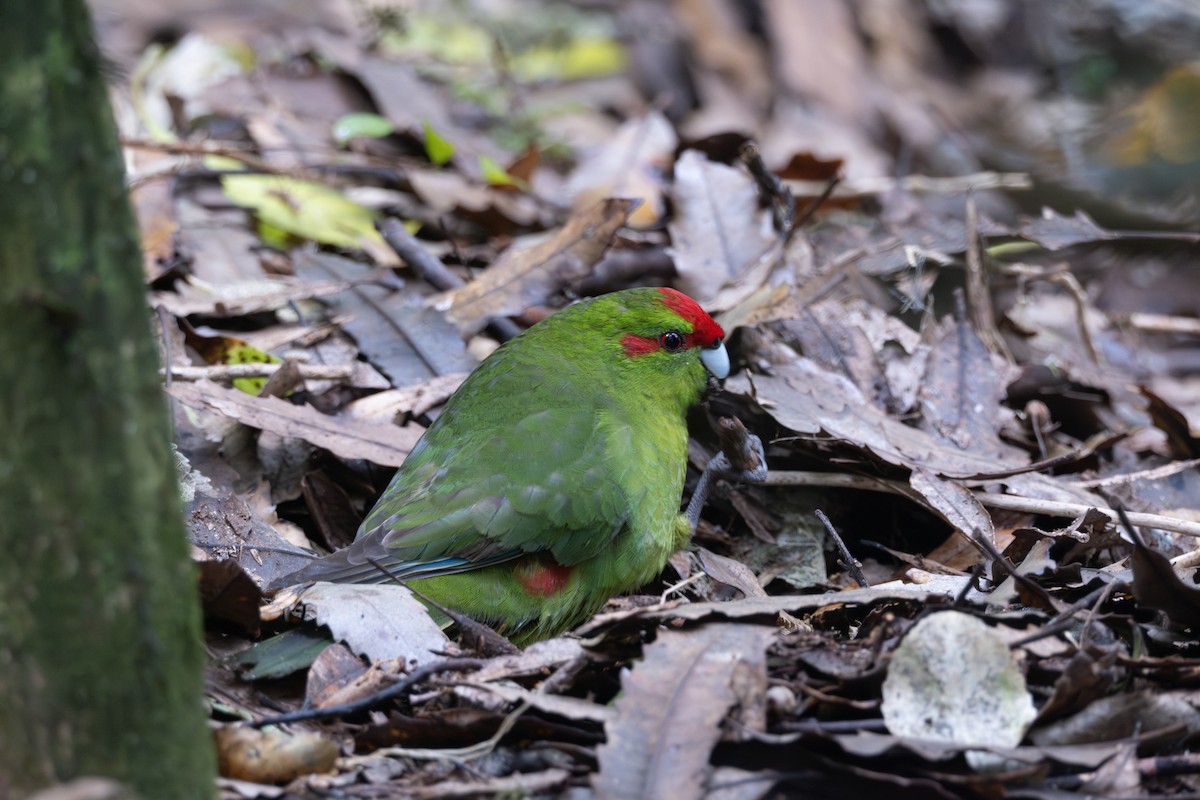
{"x":558,"y":442}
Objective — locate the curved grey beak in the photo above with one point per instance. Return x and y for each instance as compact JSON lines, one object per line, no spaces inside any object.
{"x":716,"y":360}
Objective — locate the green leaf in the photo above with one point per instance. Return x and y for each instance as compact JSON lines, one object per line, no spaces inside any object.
{"x":305,"y":209}
{"x":360,"y":124}
{"x":438,"y":148}
{"x":496,"y":175}
{"x":584,"y":57}
{"x":243,"y":353}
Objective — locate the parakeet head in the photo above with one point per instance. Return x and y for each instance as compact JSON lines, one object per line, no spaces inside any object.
{"x":659,"y":341}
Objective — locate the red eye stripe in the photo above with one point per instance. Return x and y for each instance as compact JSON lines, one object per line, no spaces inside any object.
{"x":705,"y":330}
{"x":639,"y":345}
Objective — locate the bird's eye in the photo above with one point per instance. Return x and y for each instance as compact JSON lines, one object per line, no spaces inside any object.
{"x":672,"y":341}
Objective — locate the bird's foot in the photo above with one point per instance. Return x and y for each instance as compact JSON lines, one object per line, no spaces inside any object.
{"x":742,"y":459}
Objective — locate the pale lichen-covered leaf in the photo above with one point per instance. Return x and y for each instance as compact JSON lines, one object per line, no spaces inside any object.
{"x":376,"y":621}
{"x":954,"y":679}
{"x":670,"y":709}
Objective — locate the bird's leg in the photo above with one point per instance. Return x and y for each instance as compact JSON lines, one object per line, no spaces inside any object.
{"x":742,"y":458}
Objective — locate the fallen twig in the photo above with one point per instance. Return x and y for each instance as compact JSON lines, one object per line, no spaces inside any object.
{"x":1008,"y":502}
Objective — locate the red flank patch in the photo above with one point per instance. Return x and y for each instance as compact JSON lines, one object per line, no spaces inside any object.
{"x":542,"y":576}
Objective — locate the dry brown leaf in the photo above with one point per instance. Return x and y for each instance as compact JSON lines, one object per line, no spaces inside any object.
{"x":631,"y":163}
{"x":193,"y":296}
{"x":722,"y":45}
{"x":808,"y":399}
{"x":393,"y":327}
{"x":533,"y":275}
{"x":669,"y":712}
{"x":819,"y":55}
{"x":452,"y":193}
{"x":1157,"y":585}
{"x":720,"y":236}
{"x":954,"y":503}
{"x":960,"y":396}
{"x":392,"y":404}
{"x":730,"y":572}
{"x":387,"y":445}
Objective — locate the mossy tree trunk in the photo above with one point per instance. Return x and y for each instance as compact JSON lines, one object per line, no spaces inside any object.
{"x":100,"y":641}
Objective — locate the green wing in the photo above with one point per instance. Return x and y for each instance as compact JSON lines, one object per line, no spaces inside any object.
{"x":493,"y":480}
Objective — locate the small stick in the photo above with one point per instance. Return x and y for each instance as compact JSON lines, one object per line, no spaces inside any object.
{"x":433,"y":270}
{"x":418,"y":674}
{"x":852,"y":564}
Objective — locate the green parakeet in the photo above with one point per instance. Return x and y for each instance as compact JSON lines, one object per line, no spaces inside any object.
{"x":551,"y":481}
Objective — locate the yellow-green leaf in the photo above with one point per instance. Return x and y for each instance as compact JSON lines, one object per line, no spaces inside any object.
{"x":243,"y":353}
{"x":304,"y":208}
{"x":589,"y":57}
{"x":496,"y":175}
{"x":359,"y":124}
{"x":438,"y":148}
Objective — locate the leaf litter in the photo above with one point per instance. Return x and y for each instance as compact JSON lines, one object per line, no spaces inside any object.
{"x":976,"y":354}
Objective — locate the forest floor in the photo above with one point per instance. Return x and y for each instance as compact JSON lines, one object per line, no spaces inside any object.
{"x":954,"y":247}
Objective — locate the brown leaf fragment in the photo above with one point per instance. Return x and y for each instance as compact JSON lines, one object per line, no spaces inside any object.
{"x":730,"y":572}
{"x":1083,"y":680}
{"x":533,"y":275}
{"x":387,"y":445}
{"x":1054,"y":231}
{"x":334,"y":515}
{"x":338,"y":677}
{"x":332,"y":671}
{"x":954,"y":503}
{"x":670,"y":710}
{"x":228,"y":593}
{"x":393,"y":327}
{"x":1118,"y":716}
{"x":960,"y":396}
{"x":1157,"y":585}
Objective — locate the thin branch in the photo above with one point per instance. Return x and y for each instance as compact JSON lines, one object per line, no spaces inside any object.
{"x":229,"y":372}
{"x":1007,"y":502}
{"x":409,"y":248}
{"x":852,"y":564}
{"x":916,"y":183}
{"x":410,"y":680}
